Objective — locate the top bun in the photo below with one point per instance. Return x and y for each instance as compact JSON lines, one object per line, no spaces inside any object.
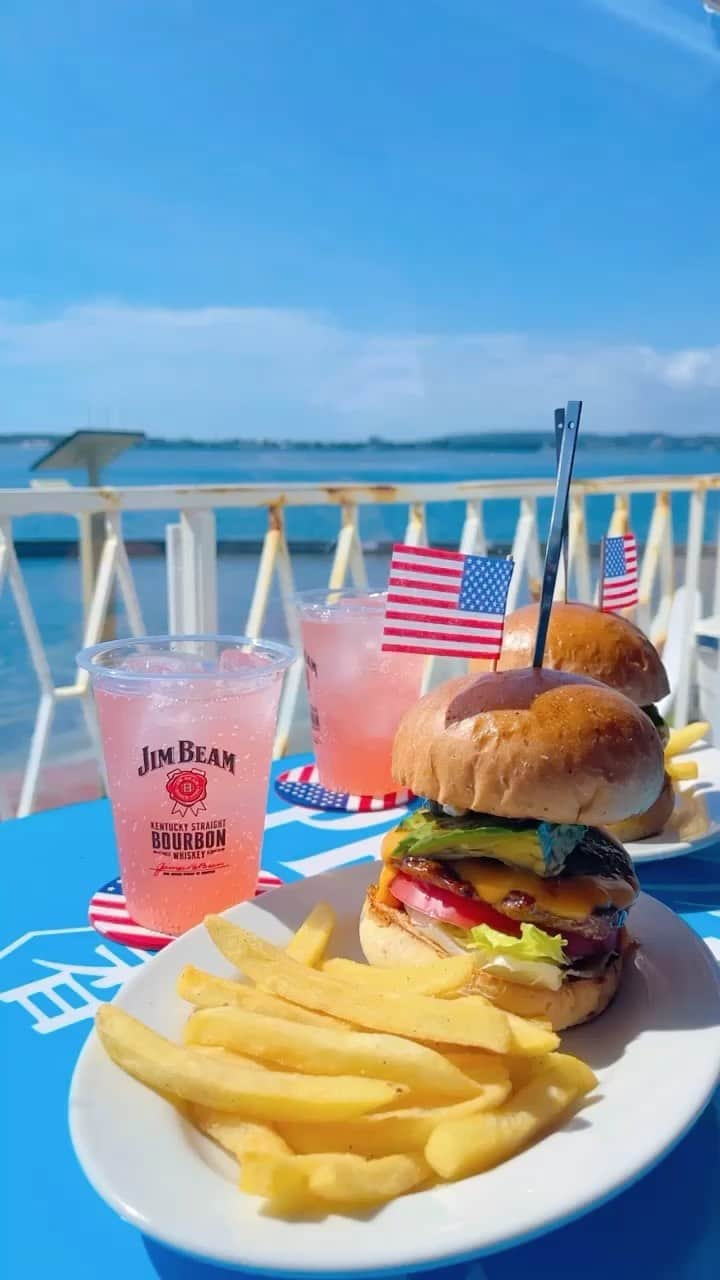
{"x":587,"y":642}
{"x":531,"y":744}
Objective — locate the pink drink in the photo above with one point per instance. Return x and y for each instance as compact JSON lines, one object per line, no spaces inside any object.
{"x":357,"y":693}
{"x":187,"y":739}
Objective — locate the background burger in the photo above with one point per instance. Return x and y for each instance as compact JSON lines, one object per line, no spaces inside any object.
{"x":585,"y":641}
{"x":506,"y":859}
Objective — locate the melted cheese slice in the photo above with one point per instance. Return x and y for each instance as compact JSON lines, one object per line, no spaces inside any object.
{"x":382,"y":892}
{"x":573,"y":899}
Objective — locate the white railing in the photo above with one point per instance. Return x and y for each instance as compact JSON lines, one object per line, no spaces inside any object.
{"x":191,"y":564}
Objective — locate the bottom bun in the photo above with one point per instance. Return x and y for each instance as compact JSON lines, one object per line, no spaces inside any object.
{"x":388,"y":938}
{"x":650,"y":823}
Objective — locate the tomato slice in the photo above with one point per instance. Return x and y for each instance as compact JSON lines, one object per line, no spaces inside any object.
{"x":452,"y":908}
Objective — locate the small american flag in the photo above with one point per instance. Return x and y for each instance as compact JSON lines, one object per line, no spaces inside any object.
{"x":620,"y":573}
{"x":445,"y":603}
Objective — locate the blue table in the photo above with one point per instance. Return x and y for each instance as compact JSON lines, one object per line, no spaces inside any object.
{"x":54,"y":971}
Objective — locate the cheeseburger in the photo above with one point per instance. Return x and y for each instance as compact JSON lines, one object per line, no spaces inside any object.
{"x":585,"y":641}
{"x":506,"y":858}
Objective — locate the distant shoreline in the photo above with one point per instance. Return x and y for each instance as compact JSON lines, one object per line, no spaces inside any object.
{"x":482,"y":442}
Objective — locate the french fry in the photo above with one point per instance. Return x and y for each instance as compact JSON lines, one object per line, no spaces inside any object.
{"x":237,"y":1137}
{"x":486,"y":1069}
{"x":282,"y":1180}
{"x":387,"y":1132}
{"x":227,"y":1086}
{"x":436,"y":978}
{"x":682,"y":770}
{"x":326,"y":1051}
{"x":208,"y":992}
{"x":523,"y":1070}
{"x":466,"y":1020}
{"x":530,"y":1038}
{"x":350,"y":1180}
{"x":681,"y":740}
{"x":229,"y":1056}
{"x":333,"y":1178}
{"x":459,"y":1148}
{"x":309,"y":944}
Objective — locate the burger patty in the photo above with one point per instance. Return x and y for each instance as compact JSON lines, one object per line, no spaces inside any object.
{"x":522,"y":907}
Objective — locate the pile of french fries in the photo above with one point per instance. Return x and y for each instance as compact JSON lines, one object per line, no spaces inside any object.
{"x":337,"y":1086}
{"x":682,"y":740}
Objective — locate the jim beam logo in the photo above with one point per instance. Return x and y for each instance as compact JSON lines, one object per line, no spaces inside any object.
{"x":185,"y":752}
{"x":187,"y":788}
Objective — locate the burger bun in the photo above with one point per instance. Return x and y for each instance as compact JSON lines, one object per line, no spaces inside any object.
{"x":586,"y":641}
{"x":650,"y":823}
{"x":538,"y":744}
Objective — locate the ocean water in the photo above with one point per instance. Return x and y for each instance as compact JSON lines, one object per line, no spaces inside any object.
{"x":53,"y":581}
{"x":368,"y":465}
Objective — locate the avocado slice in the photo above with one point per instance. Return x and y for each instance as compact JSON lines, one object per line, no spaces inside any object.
{"x":540,"y":846}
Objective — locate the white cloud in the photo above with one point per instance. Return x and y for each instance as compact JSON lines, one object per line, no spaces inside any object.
{"x":690,"y":34}
{"x":218,"y":371}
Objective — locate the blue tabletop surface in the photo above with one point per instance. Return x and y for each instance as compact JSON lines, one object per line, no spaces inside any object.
{"x":54,"y":971}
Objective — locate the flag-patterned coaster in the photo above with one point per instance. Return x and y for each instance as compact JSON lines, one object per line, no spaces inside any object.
{"x":108,"y":914}
{"x":302,"y":786}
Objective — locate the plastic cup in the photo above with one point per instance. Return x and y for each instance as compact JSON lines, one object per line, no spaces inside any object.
{"x":357,"y":693}
{"x":187,"y":726}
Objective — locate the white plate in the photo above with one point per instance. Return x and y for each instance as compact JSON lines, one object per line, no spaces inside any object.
{"x":657,"y":1052}
{"x":696,"y":820}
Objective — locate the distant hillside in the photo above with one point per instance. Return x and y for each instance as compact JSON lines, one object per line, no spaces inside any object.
{"x":487,"y":442}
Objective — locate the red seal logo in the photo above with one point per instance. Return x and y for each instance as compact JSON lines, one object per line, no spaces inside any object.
{"x":187,"y":789}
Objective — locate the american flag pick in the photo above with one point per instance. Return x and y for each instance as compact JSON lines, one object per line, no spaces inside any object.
{"x":445,"y":603}
{"x":619,"y":573}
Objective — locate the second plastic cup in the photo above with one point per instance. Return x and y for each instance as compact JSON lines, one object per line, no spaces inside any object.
{"x":187,"y":726}
{"x":357,"y":693}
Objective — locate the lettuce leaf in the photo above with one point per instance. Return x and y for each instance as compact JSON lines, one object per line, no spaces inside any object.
{"x":533,"y":943}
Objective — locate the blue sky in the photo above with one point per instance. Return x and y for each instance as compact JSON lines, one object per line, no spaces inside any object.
{"x":320,"y":217}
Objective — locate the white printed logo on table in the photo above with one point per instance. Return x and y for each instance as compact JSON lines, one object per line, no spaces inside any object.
{"x":59,"y":977}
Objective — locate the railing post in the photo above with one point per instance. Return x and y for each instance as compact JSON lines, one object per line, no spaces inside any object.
{"x":525,"y":553}
{"x":472,"y":540}
{"x":579,"y":548}
{"x":656,"y":540}
{"x":174,"y":580}
{"x":46,"y":704}
{"x":197,"y":558}
{"x":416,"y":530}
{"x":620,"y":519}
{"x":693,"y":559}
{"x":104,"y":579}
{"x":272,"y":544}
{"x":348,"y":551}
